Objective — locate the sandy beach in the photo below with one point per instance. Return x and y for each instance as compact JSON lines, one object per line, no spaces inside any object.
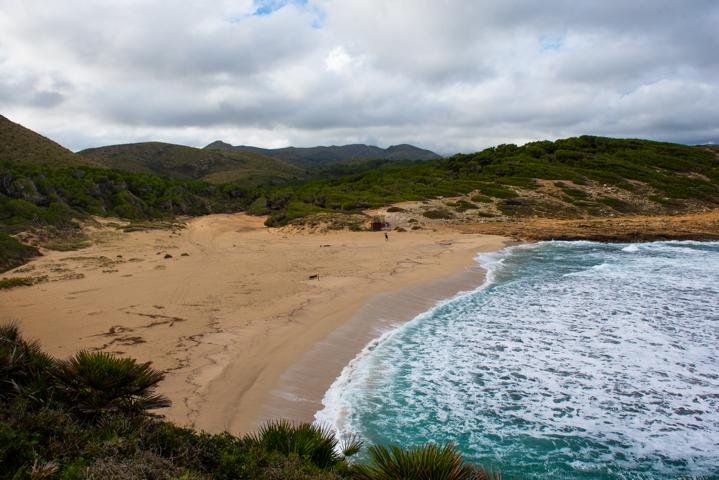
{"x":227,"y":308}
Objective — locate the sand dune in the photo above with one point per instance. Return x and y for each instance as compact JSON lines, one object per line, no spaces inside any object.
{"x":227,"y":308}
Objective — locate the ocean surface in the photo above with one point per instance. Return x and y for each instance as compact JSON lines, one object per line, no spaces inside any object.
{"x":575,"y":360}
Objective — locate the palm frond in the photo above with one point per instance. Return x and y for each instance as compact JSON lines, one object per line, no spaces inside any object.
{"x":351,"y":445}
{"x":98,"y":382}
{"x":426,"y":462}
{"x":316,"y":443}
{"x":24,"y":368}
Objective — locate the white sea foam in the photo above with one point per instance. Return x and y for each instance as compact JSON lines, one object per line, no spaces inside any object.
{"x":337,"y":400}
{"x":576,"y":360}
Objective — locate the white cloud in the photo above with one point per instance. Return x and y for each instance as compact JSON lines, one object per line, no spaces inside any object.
{"x":454,"y":75}
{"x":337,"y":59}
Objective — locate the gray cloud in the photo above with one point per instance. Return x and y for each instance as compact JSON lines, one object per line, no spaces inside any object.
{"x":454,"y":76}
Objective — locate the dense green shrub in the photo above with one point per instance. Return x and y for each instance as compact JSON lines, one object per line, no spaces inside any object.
{"x":25,"y":369}
{"x":426,"y":462}
{"x":307,"y":441}
{"x":481,"y":199}
{"x":438,"y":213}
{"x":676,"y":171}
{"x":14,"y":253}
{"x":96,"y":383}
{"x":86,"y":417}
{"x":463,"y":206}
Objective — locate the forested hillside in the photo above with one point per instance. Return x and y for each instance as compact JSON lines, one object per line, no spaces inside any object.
{"x":569,"y":178}
{"x":44,"y":185}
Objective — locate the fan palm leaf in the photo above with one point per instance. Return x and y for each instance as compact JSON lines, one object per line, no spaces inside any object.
{"x":99,"y":382}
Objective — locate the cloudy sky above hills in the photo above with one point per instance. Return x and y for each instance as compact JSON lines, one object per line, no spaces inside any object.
{"x":456,"y":75}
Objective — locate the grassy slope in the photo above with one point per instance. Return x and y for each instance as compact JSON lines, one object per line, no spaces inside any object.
{"x":568,"y":178}
{"x":20,"y":144}
{"x":179,"y":161}
{"x":43,"y":187}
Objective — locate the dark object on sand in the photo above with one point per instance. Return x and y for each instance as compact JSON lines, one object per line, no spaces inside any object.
{"x":315,"y":277}
{"x":378,"y":223}
{"x":167,"y":255}
{"x":185,"y":254}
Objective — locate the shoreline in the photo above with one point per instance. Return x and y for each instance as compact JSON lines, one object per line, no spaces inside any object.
{"x":295,"y":368}
{"x":303,"y":387}
{"x":227,"y":308}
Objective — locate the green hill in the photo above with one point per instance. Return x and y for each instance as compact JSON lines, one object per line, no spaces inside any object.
{"x":570,"y":178}
{"x":179,"y":161}
{"x":45,"y":187}
{"x":19,"y":144}
{"x":322,"y":156}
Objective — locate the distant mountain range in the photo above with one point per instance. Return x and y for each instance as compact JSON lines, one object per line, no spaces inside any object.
{"x":218,"y":162}
{"x":322,"y":156}
{"x":179,"y":161}
{"x":221,"y":162}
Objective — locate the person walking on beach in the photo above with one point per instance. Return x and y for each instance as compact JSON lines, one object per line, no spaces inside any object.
{"x":386,"y":236}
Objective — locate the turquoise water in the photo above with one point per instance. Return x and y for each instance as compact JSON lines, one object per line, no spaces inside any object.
{"x":575,"y":360}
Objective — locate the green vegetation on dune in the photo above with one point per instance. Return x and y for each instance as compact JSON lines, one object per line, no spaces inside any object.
{"x":94,"y":415}
{"x":14,"y":253}
{"x":574,"y":177}
{"x":53,"y":196}
{"x":36,"y":197}
{"x":676,"y":177}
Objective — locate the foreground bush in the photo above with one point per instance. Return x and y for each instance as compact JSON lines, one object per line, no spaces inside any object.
{"x":92,"y":417}
{"x":317,"y":444}
{"x":98,"y":382}
{"x":24,"y":368}
{"x":426,"y":462}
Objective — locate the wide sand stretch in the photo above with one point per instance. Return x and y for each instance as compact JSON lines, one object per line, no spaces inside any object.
{"x":232,"y":316}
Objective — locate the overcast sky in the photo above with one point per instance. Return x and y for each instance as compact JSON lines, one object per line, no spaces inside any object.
{"x":450,"y":75}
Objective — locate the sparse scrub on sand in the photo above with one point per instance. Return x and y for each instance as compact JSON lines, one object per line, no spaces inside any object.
{"x":12,"y":282}
{"x":94,"y":415}
{"x":463,"y":206}
{"x":438,"y":214}
{"x":481,"y":199}
{"x":67,"y":245}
